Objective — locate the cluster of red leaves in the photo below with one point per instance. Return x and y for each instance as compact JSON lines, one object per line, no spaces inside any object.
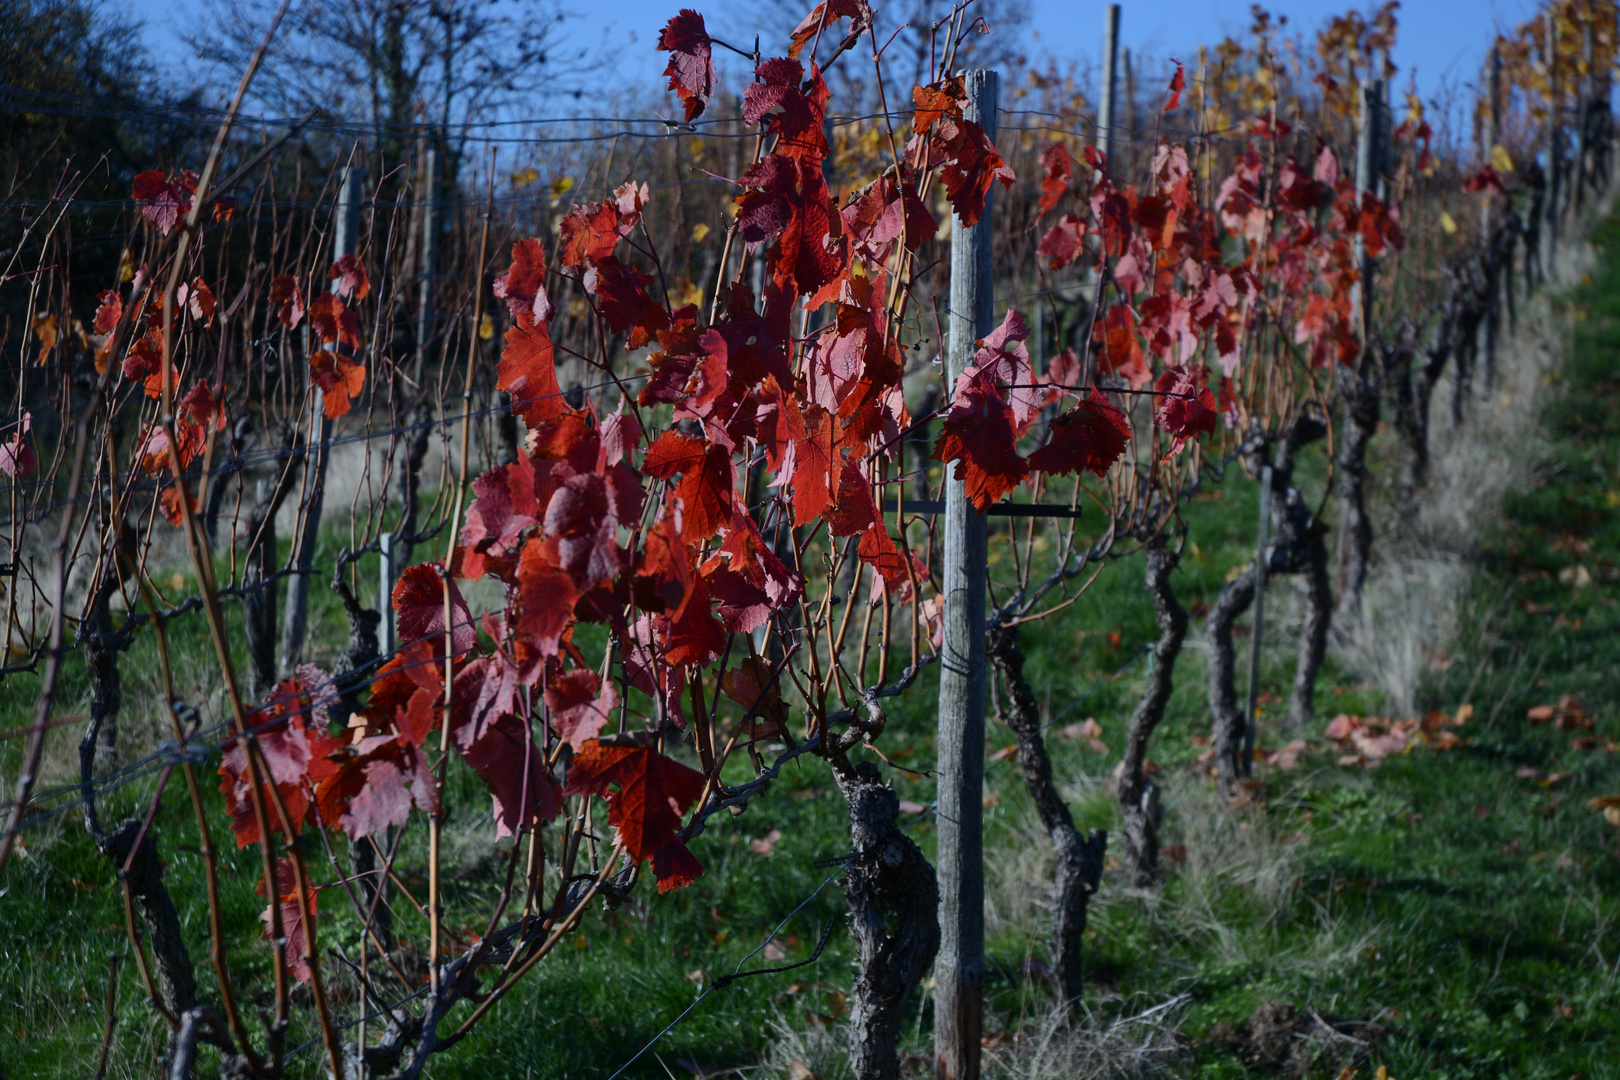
{"x":646,"y":533}
{"x":143,"y":360}
{"x":995,"y":403}
{"x":290,"y":748}
{"x":1178,"y":287}
{"x":166,"y":198}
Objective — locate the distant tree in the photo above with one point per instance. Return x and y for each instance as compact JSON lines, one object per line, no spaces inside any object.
{"x":396,"y":67}
{"x":76,"y":82}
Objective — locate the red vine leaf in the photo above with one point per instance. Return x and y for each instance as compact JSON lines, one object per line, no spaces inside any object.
{"x":523,"y":287}
{"x":826,"y":13}
{"x":333,"y":322}
{"x":1178,"y":83}
{"x":529,"y":373}
{"x":340,"y":380}
{"x":973,"y":166}
{"x":17,"y":453}
{"x":1187,"y":408}
{"x":419,"y":599}
{"x":978,"y":435}
{"x":691,"y":61}
{"x":165,"y":199}
{"x":652,"y":793}
{"x":1088,"y":438}
{"x":580,"y":703}
{"x":286,"y":298}
{"x":292,"y":918}
{"x":1059,"y":169}
{"x":349,"y":278}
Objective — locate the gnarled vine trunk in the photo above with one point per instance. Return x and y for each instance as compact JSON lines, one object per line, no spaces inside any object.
{"x":1314,"y":633}
{"x":1229,"y":606}
{"x":143,"y":877}
{"x":1295,"y":546}
{"x":1138,"y":796}
{"x":894,"y":914}
{"x":1361,"y":392}
{"x":1079,"y":858}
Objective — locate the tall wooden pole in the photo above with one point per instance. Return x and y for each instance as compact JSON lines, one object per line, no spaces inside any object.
{"x":1554,"y":158}
{"x":387,"y":573}
{"x":430,"y":250}
{"x":959,"y":971}
{"x":1107,"y":106}
{"x":1372,"y":103}
{"x":1583,"y":109}
{"x":312,"y":495}
{"x":1491,"y":126}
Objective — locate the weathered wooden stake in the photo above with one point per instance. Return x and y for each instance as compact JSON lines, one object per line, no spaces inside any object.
{"x":430,"y":251}
{"x":345,"y":240}
{"x":1107,"y":112}
{"x":385,"y":594}
{"x":1492,"y":124}
{"x":959,"y":971}
{"x":1554,"y":158}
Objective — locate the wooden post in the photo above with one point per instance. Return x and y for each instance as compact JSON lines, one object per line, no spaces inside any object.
{"x":1583,"y":109}
{"x":430,"y":250}
{"x":1125,"y":118}
{"x":1490,"y":127}
{"x":1369,"y":144}
{"x":312,"y":493}
{"x":385,"y":594}
{"x":1260,"y":568}
{"x":1369,"y":114}
{"x":1107,"y":114}
{"x":959,"y":971}
{"x":1554,"y":158}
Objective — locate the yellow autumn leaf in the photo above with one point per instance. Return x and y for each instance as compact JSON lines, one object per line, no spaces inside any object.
{"x":486,"y":328}
{"x":699,"y":231}
{"x":525,"y":177}
{"x":560,"y":187}
{"x":1501,"y":160}
{"x":45,"y":329}
{"x":1447,"y":223}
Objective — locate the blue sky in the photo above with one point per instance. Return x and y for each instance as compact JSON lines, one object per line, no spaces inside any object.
{"x":1439,"y":38}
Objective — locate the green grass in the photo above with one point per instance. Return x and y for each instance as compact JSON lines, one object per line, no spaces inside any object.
{"x":1470,"y":911}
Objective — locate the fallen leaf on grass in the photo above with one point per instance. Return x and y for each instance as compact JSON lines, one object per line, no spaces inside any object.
{"x":1609,"y":806}
{"x":1569,"y":714}
{"x":1584,"y":743}
{"x":1284,"y":759}
{"x":765,"y":844}
{"x":1088,"y":730}
{"x":909,"y":807}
